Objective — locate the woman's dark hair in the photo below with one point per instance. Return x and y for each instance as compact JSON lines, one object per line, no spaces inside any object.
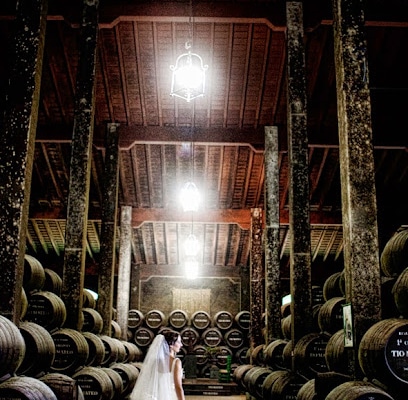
{"x":171,"y":336}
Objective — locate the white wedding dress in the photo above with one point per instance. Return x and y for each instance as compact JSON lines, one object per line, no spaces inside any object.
{"x":155,"y":380}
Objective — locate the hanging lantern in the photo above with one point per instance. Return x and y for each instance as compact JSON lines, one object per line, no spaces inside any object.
{"x":191,"y":246}
{"x":188,"y":78}
{"x":190,"y":197}
{"x":191,"y":268}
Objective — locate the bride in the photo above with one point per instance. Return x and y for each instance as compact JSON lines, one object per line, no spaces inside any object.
{"x":160,"y":377}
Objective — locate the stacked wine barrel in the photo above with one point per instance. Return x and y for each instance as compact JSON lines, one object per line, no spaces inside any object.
{"x":213,"y":339}
{"x":40,"y":358}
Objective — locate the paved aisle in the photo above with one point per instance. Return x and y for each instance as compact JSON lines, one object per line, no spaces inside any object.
{"x":235,"y":397}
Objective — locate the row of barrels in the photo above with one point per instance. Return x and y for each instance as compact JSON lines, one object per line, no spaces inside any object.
{"x":101,"y":366}
{"x":179,"y":319}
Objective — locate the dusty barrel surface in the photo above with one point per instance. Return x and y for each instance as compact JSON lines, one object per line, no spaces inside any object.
{"x":34,"y":275}
{"x":330,"y":316}
{"x":111,"y":350}
{"x":129,"y":375}
{"x":116,"y":382}
{"x":307,"y":391}
{"x":383,"y":352}
{"x":254,"y":380}
{"x":201,"y":320}
{"x":46,"y":309}
{"x":25,"y":388}
{"x":53,"y":282}
{"x":40,"y":349}
{"x":71,"y":350}
{"x":135,"y":319}
{"x":212,"y":337}
{"x":96,"y":349}
{"x":394,"y":256}
{"x":309,"y":353}
{"x":282,"y":385}
{"x":358,"y":390}
{"x":95,"y":383}
{"x":400,"y":293}
{"x":239,"y":374}
{"x":234,"y":338}
{"x":12,"y":347}
{"x":143,"y":337}
{"x":223,"y":320}
{"x":93,"y":321}
{"x":64,"y":387}
{"x":335,"y":354}
{"x":189,"y":336}
{"x":201,"y":354}
{"x":273,"y":353}
{"x":243,"y":320}
{"x":155,"y":319}
{"x":334,"y":286}
{"x":178,"y":319}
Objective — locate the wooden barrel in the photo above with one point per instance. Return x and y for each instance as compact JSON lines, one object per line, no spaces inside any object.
{"x":111,"y":350}
{"x":71,"y":350}
{"x":241,"y":355}
{"x":116,"y":380}
{"x":93,"y":321}
{"x":243,"y":320}
{"x":315,"y":317}
{"x":224,"y":352}
{"x":143,"y":337}
{"x":286,"y":326}
{"x":287,"y":354}
{"x":88,"y":300}
{"x":155,"y":319}
{"x":309,"y":354}
{"x":285,"y":310}
{"x":189,"y":336}
{"x":63,"y":386}
{"x":178,"y":319}
{"x":389,"y":307}
{"x":116,"y":330}
{"x":330,"y":316}
{"x":24,"y":304}
{"x":25,"y":388}
{"x":46,"y":309}
{"x":12,"y":347}
{"x":332,"y":286}
{"x":96,"y":352}
{"x":95,"y":383}
{"x":212,"y":337}
{"x":383,"y":350}
{"x":201,"y":320}
{"x":307,"y":391}
{"x":201,"y":354}
{"x":53,"y":282}
{"x":133,"y":353}
{"x":234,"y":338}
{"x":129,"y":374}
{"x":34,"y":275}
{"x":358,"y":390}
{"x":254,"y":380}
{"x":273,"y":353}
{"x":135,"y":319}
{"x":282,"y":385}
{"x":121,"y":351}
{"x":40,"y":350}
{"x":400,"y":293}
{"x":394,"y":256}
{"x":335,"y":355}
{"x":239,"y":374}
{"x":223,"y":320}
{"x":258,"y":355}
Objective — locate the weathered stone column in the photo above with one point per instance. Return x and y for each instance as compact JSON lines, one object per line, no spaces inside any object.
{"x":81,"y":157}
{"x":244,"y":272}
{"x":360,"y":231}
{"x":273,"y":299}
{"x":125,"y":253}
{"x":17,"y":142}
{"x":257,"y":279}
{"x":108,"y":230}
{"x":299,"y":219}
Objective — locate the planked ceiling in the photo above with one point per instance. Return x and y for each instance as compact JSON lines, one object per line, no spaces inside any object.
{"x":219,"y":138}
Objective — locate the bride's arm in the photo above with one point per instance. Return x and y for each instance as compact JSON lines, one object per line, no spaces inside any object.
{"x":178,"y":377}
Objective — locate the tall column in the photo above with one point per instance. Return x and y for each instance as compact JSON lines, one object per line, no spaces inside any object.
{"x":108,"y":230}
{"x":17,"y":143}
{"x":257,"y":279}
{"x":357,"y":173}
{"x":125,"y":253}
{"x":81,"y":158}
{"x":272,"y":262}
{"x":299,"y":218}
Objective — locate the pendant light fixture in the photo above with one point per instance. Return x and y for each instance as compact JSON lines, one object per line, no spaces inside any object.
{"x":188,"y":78}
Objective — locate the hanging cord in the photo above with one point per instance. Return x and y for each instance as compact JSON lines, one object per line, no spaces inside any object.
{"x":189,"y":42}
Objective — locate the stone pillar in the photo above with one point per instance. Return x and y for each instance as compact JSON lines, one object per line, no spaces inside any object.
{"x":299,"y":218}
{"x":244,"y":272}
{"x":357,"y":173}
{"x":17,"y":142}
{"x":273,"y":299}
{"x":125,"y":253}
{"x":108,"y":230}
{"x":81,"y":157}
{"x":257,"y":279}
